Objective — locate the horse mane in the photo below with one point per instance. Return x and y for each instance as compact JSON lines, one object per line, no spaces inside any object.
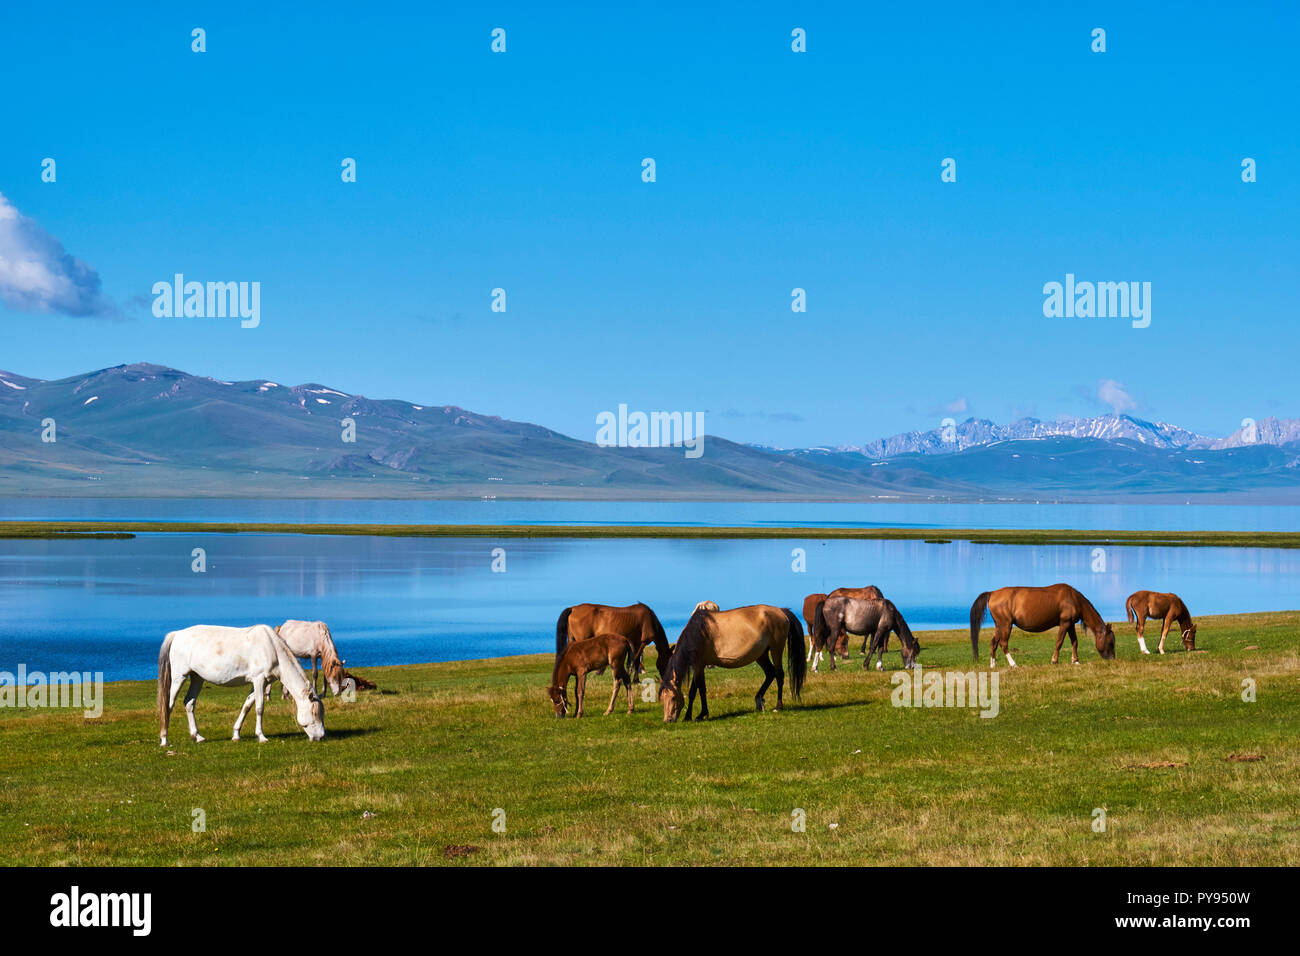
{"x":1097,"y":624}
{"x":900,"y":626}
{"x":687,"y":649}
{"x":659,"y":636}
{"x":289,"y":665}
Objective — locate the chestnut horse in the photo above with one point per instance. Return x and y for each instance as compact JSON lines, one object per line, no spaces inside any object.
{"x":591,"y":656}
{"x":1155,"y":604}
{"x":733,"y":639}
{"x":636,"y":622}
{"x":873,"y":619}
{"x":1038,"y":610}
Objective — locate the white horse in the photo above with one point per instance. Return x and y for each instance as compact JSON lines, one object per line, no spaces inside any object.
{"x":312,"y":639}
{"x":230,"y":656}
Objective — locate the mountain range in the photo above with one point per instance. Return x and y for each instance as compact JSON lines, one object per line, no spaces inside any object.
{"x":149,"y":430}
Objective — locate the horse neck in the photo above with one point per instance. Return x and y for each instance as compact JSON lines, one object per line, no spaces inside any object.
{"x":1091,"y":619}
{"x":652,"y":632}
{"x":1184,"y":618}
{"x":326,"y":649}
{"x":291,"y":675}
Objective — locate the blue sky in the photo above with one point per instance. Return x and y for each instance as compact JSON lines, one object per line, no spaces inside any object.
{"x":775,"y":170}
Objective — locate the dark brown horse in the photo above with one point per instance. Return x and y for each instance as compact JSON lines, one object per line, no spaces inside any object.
{"x":1156,"y":604}
{"x":1038,"y":610}
{"x":591,"y":656}
{"x":636,"y":622}
{"x":870,"y":617}
{"x":733,"y":639}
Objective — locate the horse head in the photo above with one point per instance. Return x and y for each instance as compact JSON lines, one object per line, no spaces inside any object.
{"x":670,"y":695}
{"x":311,"y":716}
{"x":1105,"y":640}
{"x":334,"y":675}
{"x":1189,"y":638}
{"x":560,"y":698}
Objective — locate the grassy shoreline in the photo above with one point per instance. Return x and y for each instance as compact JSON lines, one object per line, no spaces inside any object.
{"x":120,"y":529}
{"x":1187,"y":772}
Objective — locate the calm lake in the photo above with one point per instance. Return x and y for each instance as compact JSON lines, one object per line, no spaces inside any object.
{"x":104,"y":605}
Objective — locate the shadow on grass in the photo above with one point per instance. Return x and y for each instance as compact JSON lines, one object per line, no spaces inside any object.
{"x":789,"y":708}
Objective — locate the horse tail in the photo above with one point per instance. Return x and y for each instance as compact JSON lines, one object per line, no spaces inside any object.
{"x":819,"y":626}
{"x":794,"y":651}
{"x":976,"y":619}
{"x":164,"y":680}
{"x":629,"y":658}
{"x":562,"y":633}
{"x":658,"y":637}
{"x":1128,"y":609}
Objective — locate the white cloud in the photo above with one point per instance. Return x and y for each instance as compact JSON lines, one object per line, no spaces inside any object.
{"x":1113,"y":393}
{"x":38,"y":275}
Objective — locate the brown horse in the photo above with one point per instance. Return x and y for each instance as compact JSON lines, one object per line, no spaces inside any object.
{"x":1037,"y":610}
{"x":870,"y":592}
{"x":872,"y":618}
{"x":591,"y":656}
{"x":733,"y":639}
{"x":1155,"y":604}
{"x":636,"y":622}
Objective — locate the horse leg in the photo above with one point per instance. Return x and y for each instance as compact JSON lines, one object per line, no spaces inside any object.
{"x":618,"y":682}
{"x":879,"y":643}
{"x":695,"y":686}
{"x":1074,"y":644}
{"x":1141,"y":629}
{"x":844,"y":645}
{"x":259,"y":703}
{"x":1060,"y":639}
{"x":191,"y":695}
{"x":1006,"y":646}
{"x":704,"y":698}
{"x":780,"y":680}
{"x":1169,"y":622}
{"x":581,"y":690}
{"x":769,"y":672}
{"x":172,"y":693}
{"x":243,"y":712}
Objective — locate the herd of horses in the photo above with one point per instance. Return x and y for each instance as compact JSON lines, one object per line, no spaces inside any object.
{"x":591,"y":638}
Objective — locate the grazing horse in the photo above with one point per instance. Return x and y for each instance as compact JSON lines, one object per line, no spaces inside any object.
{"x":1155,"y":604}
{"x":636,"y":622}
{"x":312,"y":639}
{"x":733,"y":639}
{"x":1038,"y":610}
{"x":841,"y":644}
{"x":230,"y":656}
{"x":872,"y":618}
{"x":591,"y":656}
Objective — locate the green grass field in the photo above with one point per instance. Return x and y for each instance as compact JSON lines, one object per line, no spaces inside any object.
{"x":1186,"y":771}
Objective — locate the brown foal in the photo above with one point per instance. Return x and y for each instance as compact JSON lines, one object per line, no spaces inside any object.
{"x":591,"y":656}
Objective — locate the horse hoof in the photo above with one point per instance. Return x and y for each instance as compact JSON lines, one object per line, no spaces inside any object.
{"x":198,"y":738}
{"x":234,"y":737}
{"x":263,"y":740}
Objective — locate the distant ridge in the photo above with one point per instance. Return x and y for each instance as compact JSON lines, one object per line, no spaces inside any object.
{"x":975,"y":432}
{"x":149,"y":430}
